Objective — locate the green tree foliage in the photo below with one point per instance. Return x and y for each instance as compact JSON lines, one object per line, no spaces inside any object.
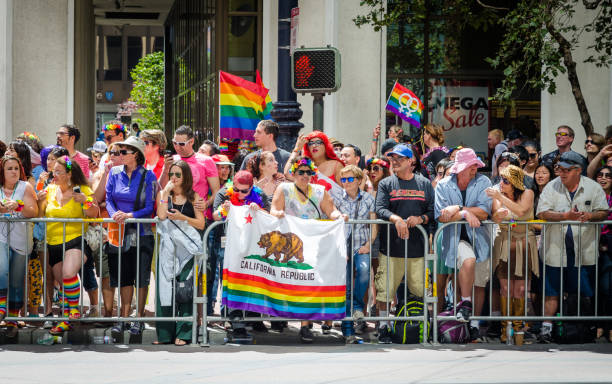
{"x":148,"y":90}
{"x":538,"y":43}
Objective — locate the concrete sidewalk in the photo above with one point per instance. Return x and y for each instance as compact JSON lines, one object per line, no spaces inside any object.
{"x":318,"y":363}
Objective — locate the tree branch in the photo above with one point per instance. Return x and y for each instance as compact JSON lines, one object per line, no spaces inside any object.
{"x":496,"y":8}
{"x":572,"y":75}
{"x":591,"y":4}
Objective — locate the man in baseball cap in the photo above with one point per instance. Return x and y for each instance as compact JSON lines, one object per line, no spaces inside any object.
{"x":405,"y":199}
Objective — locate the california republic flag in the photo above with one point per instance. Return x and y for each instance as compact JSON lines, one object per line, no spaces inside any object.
{"x":290,"y":267}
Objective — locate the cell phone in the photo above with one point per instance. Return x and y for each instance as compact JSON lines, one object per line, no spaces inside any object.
{"x":167,"y":152}
{"x":76,"y":189}
{"x":170,"y":203}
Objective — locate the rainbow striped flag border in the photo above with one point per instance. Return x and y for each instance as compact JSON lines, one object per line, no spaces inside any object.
{"x":402,"y":110}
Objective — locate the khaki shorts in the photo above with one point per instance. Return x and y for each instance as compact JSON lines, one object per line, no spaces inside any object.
{"x":395,"y":274}
{"x":481,"y":275}
{"x":104,"y":264}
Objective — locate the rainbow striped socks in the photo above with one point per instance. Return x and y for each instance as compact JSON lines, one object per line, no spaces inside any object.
{"x":72,"y":293}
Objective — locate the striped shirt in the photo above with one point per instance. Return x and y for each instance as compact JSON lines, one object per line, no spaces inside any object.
{"x":348,"y":206}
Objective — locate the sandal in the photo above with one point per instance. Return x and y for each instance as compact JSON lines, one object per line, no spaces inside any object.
{"x":157,"y":342}
{"x":180,"y":342}
{"x":62,"y":327}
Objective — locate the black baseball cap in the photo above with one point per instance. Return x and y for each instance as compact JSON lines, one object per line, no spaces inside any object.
{"x":514,"y":134}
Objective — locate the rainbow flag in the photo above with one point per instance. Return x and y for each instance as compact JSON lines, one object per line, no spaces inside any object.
{"x":267,"y":105}
{"x":307,"y":283}
{"x":405,"y":104}
{"x":242,"y":105}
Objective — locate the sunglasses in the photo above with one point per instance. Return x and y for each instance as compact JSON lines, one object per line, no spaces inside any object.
{"x":606,"y":175}
{"x":148,"y":142}
{"x":242,"y":190}
{"x":302,"y":172}
{"x":561,"y":134}
{"x":175,"y":174}
{"x":62,"y":133}
{"x":347,"y":179}
{"x":109,"y":137}
{"x":126,"y":152}
{"x":376,"y":168}
{"x":315,"y":142}
{"x":505,"y":181}
{"x":180,"y":143}
{"x":532,"y":155}
{"x":114,"y":153}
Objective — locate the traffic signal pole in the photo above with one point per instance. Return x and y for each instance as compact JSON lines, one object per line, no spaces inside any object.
{"x":317,"y":111}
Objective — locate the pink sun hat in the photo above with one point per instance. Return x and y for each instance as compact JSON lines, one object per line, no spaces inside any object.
{"x":464,"y":159}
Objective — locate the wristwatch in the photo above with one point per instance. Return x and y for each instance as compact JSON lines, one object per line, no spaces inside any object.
{"x":460,"y":208}
{"x":424,"y":218}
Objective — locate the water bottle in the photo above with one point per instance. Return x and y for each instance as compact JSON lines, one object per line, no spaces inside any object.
{"x":560,"y":332}
{"x":48,"y":339}
{"x":509,"y":334}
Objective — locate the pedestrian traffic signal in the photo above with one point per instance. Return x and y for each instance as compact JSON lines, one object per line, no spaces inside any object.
{"x":315,"y":70}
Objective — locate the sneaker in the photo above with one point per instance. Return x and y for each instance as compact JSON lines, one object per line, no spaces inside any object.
{"x":545,"y":338}
{"x":118,"y":327}
{"x":360,"y":326}
{"x":464,"y":310}
{"x":475,"y":335}
{"x":278,"y":326}
{"x":306,"y":336}
{"x":259,"y":326}
{"x":48,"y":324}
{"x":11,"y":329}
{"x":136,"y":328}
{"x":325,"y":329}
{"x":353,"y":339}
{"x":92,"y":312}
{"x":384,"y":335}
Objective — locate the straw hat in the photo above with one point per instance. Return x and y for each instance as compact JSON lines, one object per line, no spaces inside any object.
{"x":515,"y":176}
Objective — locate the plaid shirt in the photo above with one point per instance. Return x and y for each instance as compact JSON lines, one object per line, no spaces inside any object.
{"x":366,"y":206}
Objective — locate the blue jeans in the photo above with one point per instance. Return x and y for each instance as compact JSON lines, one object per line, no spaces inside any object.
{"x":357,"y":273}
{"x":13,"y":264}
{"x":214,"y":268}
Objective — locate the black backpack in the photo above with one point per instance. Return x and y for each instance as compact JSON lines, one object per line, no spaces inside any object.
{"x":575,"y":332}
{"x":409,"y":331}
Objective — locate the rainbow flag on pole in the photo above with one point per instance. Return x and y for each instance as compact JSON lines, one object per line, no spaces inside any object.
{"x":290,"y":267}
{"x":405,"y":104}
{"x":242,"y":105}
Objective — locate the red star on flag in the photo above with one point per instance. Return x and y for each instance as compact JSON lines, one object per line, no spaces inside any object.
{"x":249,"y":219}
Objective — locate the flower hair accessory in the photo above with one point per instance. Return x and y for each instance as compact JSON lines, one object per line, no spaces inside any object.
{"x":305,"y":161}
{"x":29,"y":135}
{"x":20,"y":206}
{"x":112,"y":127}
{"x":68,"y":163}
{"x":380,"y":162}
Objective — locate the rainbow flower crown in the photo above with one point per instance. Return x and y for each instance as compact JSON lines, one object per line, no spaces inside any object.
{"x":307,"y":162}
{"x":112,"y":127}
{"x":377,"y":161}
{"x":68,"y":163}
{"x":29,"y":135}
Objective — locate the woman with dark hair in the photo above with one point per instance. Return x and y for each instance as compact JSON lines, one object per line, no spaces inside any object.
{"x":306,"y":200}
{"x":593,"y":144}
{"x":533,"y":151}
{"x":264,"y":168}
{"x":433,"y":138}
{"x":513,"y":202}
{"x":175,"y":202}
{"x":68,"y":197}
{"x":377,"y":168}
{"x":604,"y":178}
{"x":17,"y":200}
{"x":21,"y":150}
{"x":543,"y":174}
{"x":130,"y":193}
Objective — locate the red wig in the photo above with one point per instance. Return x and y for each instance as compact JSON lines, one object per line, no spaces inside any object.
{"x":329,"y":149}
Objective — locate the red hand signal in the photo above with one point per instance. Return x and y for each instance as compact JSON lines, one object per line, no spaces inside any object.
{"x":303,"y":71}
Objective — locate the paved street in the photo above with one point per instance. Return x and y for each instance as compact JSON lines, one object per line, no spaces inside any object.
{"x":323,"y":363}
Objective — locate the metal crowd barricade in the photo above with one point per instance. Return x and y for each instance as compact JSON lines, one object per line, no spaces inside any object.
{"x":202,"y":299}
{"x":541,"y":257}
{"x":11,"y":222}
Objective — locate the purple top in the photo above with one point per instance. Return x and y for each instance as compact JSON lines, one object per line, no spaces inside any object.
{"x":121,"y":193}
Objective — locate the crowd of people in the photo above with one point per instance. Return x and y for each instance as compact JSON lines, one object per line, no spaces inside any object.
{"x":408,"y":184}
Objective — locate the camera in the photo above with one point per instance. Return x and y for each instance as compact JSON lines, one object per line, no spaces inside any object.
{"x":168,"y":152}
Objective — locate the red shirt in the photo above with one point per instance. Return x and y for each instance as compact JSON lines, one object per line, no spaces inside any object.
{"x":157,"y":169}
